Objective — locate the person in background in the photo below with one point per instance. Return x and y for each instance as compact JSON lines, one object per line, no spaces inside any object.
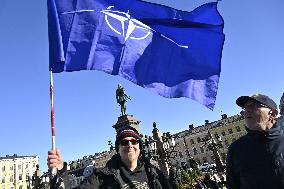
{"x":255,"y":161}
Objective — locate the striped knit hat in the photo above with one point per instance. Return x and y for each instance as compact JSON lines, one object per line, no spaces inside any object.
{"x":126,"y":131}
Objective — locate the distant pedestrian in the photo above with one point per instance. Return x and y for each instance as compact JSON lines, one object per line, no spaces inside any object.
{"x":255,"y":161}
{"x":173,"y":179}
{"x":210,"y":183}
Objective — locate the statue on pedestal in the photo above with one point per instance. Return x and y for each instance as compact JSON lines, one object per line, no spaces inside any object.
{"x":121,"y":98}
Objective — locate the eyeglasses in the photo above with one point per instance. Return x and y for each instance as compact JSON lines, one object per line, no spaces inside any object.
{"x":125,"y":142}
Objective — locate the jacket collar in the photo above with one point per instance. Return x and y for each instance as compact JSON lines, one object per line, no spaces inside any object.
{"x":270,"y":134}
{"x":113,"y":165}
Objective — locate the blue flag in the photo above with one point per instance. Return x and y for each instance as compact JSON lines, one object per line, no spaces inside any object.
{"x":170,"y":52}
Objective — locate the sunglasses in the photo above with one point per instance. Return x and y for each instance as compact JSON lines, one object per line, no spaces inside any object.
{"x":125,"y":142}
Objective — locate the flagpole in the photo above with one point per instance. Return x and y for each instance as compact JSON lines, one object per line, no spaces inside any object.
{"x":53,"y":170}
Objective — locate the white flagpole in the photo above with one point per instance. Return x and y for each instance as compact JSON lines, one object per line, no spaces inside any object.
{"x":53,"y":170}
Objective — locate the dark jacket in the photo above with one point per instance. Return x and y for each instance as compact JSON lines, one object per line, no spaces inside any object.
{"x":110,"y":177}
{"x":209,"y":183}
{"x":255,"y":161}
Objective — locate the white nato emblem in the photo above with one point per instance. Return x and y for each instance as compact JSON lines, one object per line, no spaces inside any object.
{"x":133,"y":25}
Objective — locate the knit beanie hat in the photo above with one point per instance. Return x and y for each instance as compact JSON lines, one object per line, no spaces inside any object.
{"x":126,"y":131}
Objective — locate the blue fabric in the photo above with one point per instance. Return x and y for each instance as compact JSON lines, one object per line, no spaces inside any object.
{"x":173,"y":53}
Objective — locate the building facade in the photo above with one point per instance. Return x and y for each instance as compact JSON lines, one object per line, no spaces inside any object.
{"x":102,"y":159}
{"x":192,"y":142}
{"x":16,"y":172}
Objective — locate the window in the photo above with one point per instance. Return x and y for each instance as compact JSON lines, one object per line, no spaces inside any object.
{"x":19,"y":166}
{"x":11,"y":168}
{"x":3,"y":169}
{"x":230,"y":131}
{"x":11,"y":178}
{"x":194,"y":151}
{"x":27,"y":166}
{"x":20,"y":187}
{"x":33,"y":164}
{"x":202,"y":149}
{"x":238,"y":129}
{"x":198,"y":139}
{"x":20,"y":177}
{"x":191,"y":141}
{"x":3,"y":179}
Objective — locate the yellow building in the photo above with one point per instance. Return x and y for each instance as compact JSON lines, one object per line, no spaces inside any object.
{"x":15,"y":171}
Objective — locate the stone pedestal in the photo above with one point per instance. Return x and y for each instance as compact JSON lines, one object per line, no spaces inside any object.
{"x":127,"y":120}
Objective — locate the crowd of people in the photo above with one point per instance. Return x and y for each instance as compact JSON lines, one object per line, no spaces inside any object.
{"x":254,"y":161}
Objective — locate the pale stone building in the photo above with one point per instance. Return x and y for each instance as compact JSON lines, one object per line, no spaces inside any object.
{"x":16,"y":171}
{"x":192,"y":142}
{"x":102,"y":159}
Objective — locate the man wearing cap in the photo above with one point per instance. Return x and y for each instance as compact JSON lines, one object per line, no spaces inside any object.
{"x":256,"y":161}
{"x":126,"y":169}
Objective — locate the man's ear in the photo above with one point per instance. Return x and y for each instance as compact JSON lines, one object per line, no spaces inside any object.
{"x":273,"y":113}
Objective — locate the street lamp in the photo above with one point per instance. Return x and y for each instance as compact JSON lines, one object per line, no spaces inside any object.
{"x":29,"y":182}
{"x":191,"y":161}
{"x":160,"y":148}
{"x":169,"y":146}
{"x":45,"y":179}
{"x":214,"y":145}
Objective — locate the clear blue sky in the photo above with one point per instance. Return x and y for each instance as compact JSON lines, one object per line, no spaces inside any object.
{"x":85,"y":105}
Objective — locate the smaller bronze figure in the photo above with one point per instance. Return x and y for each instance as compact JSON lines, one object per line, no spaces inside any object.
{"x":121,"y":98}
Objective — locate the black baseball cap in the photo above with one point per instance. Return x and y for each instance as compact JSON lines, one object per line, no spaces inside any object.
{"x":263,"y":99}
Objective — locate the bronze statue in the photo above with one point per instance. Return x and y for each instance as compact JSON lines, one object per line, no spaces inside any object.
{"x":121,"y":98}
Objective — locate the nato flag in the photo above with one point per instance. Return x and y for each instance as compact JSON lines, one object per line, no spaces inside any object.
{"x":170,"y":52}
